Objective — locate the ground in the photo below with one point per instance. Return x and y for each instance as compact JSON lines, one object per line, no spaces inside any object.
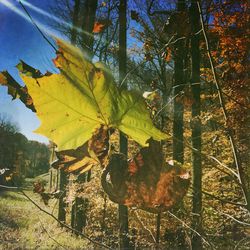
{"x":23,"y":226}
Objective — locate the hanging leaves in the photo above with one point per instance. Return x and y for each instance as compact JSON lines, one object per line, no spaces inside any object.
{"x":167,"y":55}
{"x":146,"y":181}
{"x":74,"y":161}
{"x":101,"y":25}
{"x":82,"y":159}
{"x":73,"y":104}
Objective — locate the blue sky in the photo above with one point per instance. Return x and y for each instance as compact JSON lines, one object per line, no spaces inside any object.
{"x":19,"y":39}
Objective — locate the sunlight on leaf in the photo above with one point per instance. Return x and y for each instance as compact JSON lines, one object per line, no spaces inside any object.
{"x":73,"y":104}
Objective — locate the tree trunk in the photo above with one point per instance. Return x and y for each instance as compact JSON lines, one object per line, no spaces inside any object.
{"x":63,"y":176}
{"x":179,"y":78}
{"x":122,"y":55}
{"x":78,"y":214}
{"x":158,"y":230}
{"x":75,"y":18}
{"x":62,"y":204}
{"x":89,"y":16}
{"x":50,"y":179}
{"x":196,"y":127}
{"x":79,"y":209}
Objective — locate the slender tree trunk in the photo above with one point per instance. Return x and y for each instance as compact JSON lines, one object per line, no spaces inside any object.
{"x":75,"y":18}
{"x":57,"y":180}
{"x":62,"y":204}
{"x":104,"y":213}
{"x":63,"y":176}
{"x":179,"y":83}
{"x":196,"y":127}
{"x":179,"y":78}
{"x":89,"y":16}
{"x":158,"y":230}
{"x":123,"y":210}
{"x":79,"y":209}
{"x":78,"y":214}
{"x":50,"y":179}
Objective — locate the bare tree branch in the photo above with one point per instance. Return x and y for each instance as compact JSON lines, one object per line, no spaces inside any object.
{"x":233,"y":218}
{"x":165,"y":12}
{"x":223,"y":200}
{"x":46,"y":231}
{"x":143,"y":226}
{"x":34,"y":23}
{"x":187,"y":226}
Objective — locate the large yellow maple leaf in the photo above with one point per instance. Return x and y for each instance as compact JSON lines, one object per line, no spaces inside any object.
{"x":72,"y":104}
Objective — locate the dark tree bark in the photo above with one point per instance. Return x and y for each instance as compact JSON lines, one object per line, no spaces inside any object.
{"x":196,"y":127}
{"x":79,"y":209}
{"x":179,"y":78}
{"x":50,"y":180}
{"x":158,"y":230}
{"x":75,"y":17}
{"x":80,"y":206}
{"x":122,"y":55}
{"x":62,"y":187}
{"x":63,"y":176}
{"x":89,"y":16}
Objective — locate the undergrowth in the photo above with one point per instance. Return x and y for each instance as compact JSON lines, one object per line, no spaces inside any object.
{"x":23,"y":226}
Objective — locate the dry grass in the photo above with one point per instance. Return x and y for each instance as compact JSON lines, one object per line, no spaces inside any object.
{"x":23,"y":226}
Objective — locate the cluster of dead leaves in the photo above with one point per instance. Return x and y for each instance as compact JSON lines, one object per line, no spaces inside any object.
{"x":145,"y":181}
{"x":90,"y":154}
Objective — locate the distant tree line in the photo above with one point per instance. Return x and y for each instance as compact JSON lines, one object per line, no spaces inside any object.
{"x":19,"y":157}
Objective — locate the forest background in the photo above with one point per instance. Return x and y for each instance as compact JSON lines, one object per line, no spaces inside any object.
{"x":189,"y":59}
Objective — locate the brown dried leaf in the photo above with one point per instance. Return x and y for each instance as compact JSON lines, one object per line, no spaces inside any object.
{"x":146,"y":181}
{"x":16,"y":90}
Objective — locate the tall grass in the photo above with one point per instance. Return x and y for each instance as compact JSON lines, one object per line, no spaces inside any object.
{"x":23,"y":226}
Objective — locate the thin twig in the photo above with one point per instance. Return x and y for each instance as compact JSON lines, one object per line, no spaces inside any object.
{"x":223,"y":92}
{"x":165,"y":12}
{"x":144,"y":61}
{"x":187,"y":226}
{"x":223,"y":200}
{"x":11,"y":188}
{"x":61,"y":223}
{"x":233,"y":218}
{"x":46,"y":231}
{"x":241,"y":241}
{"x":142,"y":225}
{"x":165,"y":105}
{"x":132,"y":70}
{"x":34,"y":23}
{"x":210,"y":157}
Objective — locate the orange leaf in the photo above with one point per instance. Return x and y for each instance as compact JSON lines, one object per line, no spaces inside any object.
{"x":101,"y":25}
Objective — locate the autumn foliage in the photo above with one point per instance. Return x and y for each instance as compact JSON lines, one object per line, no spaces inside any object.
{"x":146,"y":181}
